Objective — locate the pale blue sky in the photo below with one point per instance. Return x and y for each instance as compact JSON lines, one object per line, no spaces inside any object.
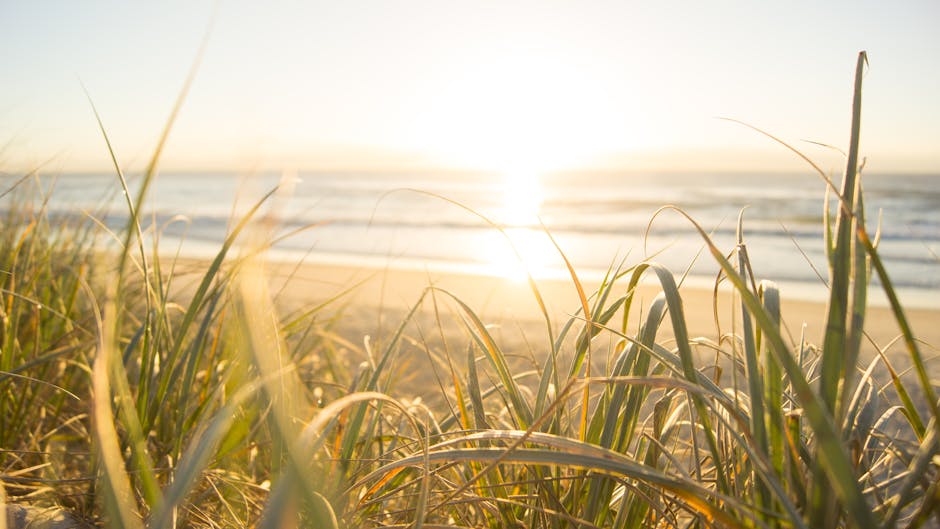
{"x":489,"y":84}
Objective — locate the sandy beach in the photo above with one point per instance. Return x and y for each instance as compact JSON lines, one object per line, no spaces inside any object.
{"x":380,"y":297}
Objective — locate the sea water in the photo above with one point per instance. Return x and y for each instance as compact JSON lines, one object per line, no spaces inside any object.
{"x":497,"y":224}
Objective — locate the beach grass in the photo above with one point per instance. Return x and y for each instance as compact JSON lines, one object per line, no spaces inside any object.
{"x":133,"y":395}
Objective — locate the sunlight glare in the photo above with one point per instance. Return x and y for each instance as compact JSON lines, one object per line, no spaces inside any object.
{"x":533,"y":247}
{"x":518,"y":213}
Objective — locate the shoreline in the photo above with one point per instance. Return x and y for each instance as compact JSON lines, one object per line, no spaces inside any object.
{"x":813,"y":292}
{"x":500,"y":300}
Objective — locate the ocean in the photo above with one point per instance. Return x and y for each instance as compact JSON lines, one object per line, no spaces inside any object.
{"x":444,"y":221}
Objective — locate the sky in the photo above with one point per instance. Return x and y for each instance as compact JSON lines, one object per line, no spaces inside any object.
{"x":406,"y":84}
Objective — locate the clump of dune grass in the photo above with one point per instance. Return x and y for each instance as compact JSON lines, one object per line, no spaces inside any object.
{"x":135,"y":405}
{"x":45,"y":337}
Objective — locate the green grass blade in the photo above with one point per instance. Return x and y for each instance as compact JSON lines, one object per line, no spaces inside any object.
{"x":774,"y":382}
{"x":834,"y":339}
{"x":473,"y":386}
{"x":118,"y":497}
{"x":677,"y":316}
{"x":755,"y":379}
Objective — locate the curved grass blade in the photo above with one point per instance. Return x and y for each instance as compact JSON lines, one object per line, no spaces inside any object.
{"x":696,"y":498}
